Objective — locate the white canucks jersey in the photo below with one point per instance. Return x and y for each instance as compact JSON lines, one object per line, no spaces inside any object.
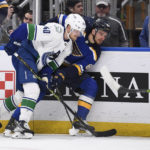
{"x":48,"y":41}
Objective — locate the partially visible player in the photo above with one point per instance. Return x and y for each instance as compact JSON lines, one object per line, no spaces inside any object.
{"x":3,"y":10}
{"x":45,"y":45}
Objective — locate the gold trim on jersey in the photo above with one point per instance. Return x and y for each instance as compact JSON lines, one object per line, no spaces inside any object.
{"x":76,"y":51}
{"x":79,"y":69}
{"x":94,"y":53}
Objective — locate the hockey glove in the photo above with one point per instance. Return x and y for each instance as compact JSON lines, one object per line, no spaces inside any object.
{"x":43,"y":84}
{"x":58,"y":79}
{"x":11,"y":47}
{"x":45,"y":74}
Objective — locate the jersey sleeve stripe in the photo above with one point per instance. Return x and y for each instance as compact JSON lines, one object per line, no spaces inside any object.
{"x":31,"y":31}
{"x":79,"y":69}
{"x":60,"y":20}
{"x":94,"y":53}
{"x":53,"y":65}
{"x":35,"y":32}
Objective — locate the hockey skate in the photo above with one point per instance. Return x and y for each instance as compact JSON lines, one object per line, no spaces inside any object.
{"x":78,"y":126}
{"x":9,"y":129}
{"x":22,"y":131}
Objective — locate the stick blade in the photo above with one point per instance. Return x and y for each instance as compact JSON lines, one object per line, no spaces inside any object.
{"x":113,"y":85}
{"x":106,"y":133}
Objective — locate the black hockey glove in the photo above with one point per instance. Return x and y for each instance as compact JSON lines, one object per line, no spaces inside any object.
{"x":58,"y":79}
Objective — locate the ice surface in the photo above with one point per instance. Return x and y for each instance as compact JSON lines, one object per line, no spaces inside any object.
{"x":67,"y":142}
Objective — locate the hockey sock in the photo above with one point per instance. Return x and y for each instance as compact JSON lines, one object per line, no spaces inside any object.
{"x":16,"y":114}
{"x":13,"y":101}
{"x":9,"y":103}
{"x":84,"y":106}
{"x":28,"y":103}
{"x":25,"y":114}
{"x":83,"y":109}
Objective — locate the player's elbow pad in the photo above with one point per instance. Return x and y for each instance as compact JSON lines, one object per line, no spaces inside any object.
{"x":11,"y":47}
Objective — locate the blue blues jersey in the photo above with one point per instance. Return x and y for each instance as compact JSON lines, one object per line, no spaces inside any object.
{"x":84,"y":53}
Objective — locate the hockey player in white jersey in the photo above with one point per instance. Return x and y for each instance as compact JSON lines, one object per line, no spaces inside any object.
{"x":40,"y":46}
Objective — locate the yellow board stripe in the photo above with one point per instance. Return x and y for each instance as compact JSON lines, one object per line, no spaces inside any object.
{"x":2,"y":6}
{"x":62,"y":127}
{"x":84,"y":104}
{"x":78,"y":68}
{"x":94,"y":53}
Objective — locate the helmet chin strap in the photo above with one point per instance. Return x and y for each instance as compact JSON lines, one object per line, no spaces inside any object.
{"x":95,"y":35}
{"x":68,"y":34}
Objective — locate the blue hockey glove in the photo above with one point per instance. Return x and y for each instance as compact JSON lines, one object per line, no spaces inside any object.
{"x":43,"y":85}
{"x":11,"y":47}
{"x":46,"y":72}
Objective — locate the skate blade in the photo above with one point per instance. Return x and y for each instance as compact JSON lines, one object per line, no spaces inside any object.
{"x":75,"y":132}
{"x":7,"y":133}
{"x":19,"y":135}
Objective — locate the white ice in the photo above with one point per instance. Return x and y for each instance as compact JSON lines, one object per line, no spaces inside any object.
{"x":67,"y":142}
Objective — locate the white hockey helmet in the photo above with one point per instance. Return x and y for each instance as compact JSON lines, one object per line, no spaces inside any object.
{"x":76,"y":22}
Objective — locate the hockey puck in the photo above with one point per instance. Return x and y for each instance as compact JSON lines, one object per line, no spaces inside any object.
{"x":0,"y":125}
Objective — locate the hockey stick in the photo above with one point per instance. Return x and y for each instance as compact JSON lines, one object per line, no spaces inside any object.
{"x":116,"y":87}
{"x":95,"y":133}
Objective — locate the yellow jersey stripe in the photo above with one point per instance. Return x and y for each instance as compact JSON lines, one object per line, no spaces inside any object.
{"x":4,"y":5}
{"x":94,"y":53}
{"x":79,"y":69}
{"x":84,"y":104}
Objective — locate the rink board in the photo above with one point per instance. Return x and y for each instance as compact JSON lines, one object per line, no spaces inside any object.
{"x":128,"y":113}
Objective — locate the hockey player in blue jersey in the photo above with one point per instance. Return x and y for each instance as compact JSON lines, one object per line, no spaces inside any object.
{"x":86,"y":52}
{"x":40,"y":46}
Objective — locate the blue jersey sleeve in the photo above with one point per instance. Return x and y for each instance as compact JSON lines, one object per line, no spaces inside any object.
{"x":20,"y":34}
{"x":87,"y":61}
{"x":55,"y":19}
{"x":60,"y":18}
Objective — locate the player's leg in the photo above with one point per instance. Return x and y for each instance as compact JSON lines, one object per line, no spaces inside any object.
{"x":11,"y":102}
{"x":9,"y":129}
{"x":89,"y":88}
{"x":31,"y":93}
{"x":12,"y":124}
